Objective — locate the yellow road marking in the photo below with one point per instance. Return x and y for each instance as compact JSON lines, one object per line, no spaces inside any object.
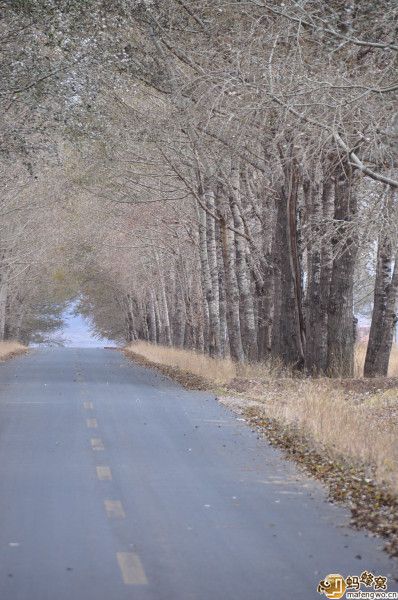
{"x":104,"y":473}
{"x":114,"y":509}
{"x":131,"y":567}
{"x":97,"y":444}
{"x":88,"y":405}
{"x":92,"y":423}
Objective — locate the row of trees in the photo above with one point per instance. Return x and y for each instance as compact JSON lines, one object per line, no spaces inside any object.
{"x":30,"y":306}
{"x":242,"y":162}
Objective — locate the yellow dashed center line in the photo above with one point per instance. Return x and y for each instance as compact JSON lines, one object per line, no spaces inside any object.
{"x":129,"y":563}
{"x":104,"y":473}
{"x":114,"y":509}
{"x":97,"y":444}
{"x":131,"y":568}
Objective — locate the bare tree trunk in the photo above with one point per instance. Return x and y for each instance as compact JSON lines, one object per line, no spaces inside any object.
{"x":18,"y":325}
{"x":288,"y":335}
{"x":152,"y":329}
{"x":131,"y":331}
{"x":210,"y":298}
{"x":341,"y":338}
{"x":199,"y":316}
{"x":159,"y":323}
{"x":187,"y":296}
{"x":391,"y":319}
{"x":164,"y":313}
{"x":267,"y":298}
{"x":143,"y":330}
{"x":384,"y":315}
{"x":277,"y":285}
{"x":266,"y":312}
{"x":179,"y":317}
{"x":316,"y":320}
{"x":263,"y":209}
{"x":247,"y":304}
{"x":200,"y":330}
{"x":189,"y":329}
{"x":326,"y":266}
{"x":3,"y":304}
{"x":223,"y":298}
{"x":214,"y":271}
{"x":232,"y":293}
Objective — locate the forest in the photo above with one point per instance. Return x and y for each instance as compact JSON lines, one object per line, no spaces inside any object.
{"x":210,"y":175}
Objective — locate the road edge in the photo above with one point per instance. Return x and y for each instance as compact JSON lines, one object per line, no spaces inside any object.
{"x":373,"y":507}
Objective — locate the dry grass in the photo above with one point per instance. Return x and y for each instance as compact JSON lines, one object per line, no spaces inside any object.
{"x":359,"y":422}
{"x":217,"y":371}
{"x":360,"y":426}
{"x":223,"y":371}
{"x":360,"y":353}
{"x":393,"y":364}
{"x":8,"y":349}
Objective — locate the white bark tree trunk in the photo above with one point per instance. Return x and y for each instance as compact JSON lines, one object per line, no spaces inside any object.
{"x":242,"y":272}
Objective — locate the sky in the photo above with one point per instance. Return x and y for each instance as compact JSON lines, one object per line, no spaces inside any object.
{"x":76,"y":332}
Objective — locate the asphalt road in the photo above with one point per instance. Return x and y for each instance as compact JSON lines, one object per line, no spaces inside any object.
{"x":118,"y":484}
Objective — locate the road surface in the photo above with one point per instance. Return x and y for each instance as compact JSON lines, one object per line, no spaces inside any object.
{"x":117,"y":484}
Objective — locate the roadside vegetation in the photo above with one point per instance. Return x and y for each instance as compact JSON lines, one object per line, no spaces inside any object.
{"x":9,"y":349}
{"x":207,"y":175}
{"x":360,"y":356}
{"x":355,"y":418}
{"x":342,"y":431}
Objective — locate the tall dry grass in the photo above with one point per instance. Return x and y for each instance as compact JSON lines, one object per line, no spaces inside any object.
{"x":360,"y":353}
{"x":7,"y":349}
{"x":223,"y":371}
{"x":219,"y":371}
{"x":362,"y":426}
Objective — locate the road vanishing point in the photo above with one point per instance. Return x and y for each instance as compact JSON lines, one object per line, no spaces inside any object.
{"x":118,"y":484}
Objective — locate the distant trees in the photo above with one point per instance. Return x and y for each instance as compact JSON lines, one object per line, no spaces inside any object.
{"x":31,"y":300}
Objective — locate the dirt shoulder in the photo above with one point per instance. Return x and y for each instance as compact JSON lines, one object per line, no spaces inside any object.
{"x":303,"y":417}
{"x":373,"y":506}
{"x":185,"y":378}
